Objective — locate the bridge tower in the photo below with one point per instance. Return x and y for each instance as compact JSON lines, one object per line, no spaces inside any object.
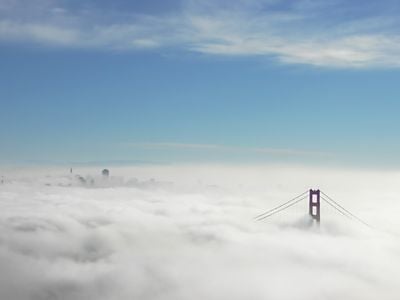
{"x":314,"y":205}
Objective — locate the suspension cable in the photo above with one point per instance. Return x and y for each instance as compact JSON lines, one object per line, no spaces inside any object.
{"x":332,"y":205}
{"x":281,"y":209}
{"x":279,"y":206}
{"x":348,"y":212}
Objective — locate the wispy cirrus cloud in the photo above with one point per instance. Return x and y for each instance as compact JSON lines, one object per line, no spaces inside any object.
{"x":225,"y":148}
{"x":332,"y":34}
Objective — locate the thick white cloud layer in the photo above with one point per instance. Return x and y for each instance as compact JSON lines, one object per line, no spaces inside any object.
{"x":190,"y":234}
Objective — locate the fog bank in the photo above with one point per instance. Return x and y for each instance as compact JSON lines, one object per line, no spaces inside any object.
{"x":188,"y":232}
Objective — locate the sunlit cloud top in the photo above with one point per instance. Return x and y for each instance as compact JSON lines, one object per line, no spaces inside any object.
{"x":333,"y":34}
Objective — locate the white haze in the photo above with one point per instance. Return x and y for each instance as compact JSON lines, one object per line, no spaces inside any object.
{"x":187,"y":232}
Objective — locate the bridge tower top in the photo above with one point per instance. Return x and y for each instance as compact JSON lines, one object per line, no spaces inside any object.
{"x":315,"y":205}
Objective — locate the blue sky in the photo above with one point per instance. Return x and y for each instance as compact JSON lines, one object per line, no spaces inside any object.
{"x":182,"y":81}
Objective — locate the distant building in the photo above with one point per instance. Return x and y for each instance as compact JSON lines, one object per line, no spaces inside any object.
{"x":81,"y":179}
{"x":105,"y":173}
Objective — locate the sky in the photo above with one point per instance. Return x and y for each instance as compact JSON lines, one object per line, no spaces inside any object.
{"x":207,"y":113}
{"x":200,"y":81}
